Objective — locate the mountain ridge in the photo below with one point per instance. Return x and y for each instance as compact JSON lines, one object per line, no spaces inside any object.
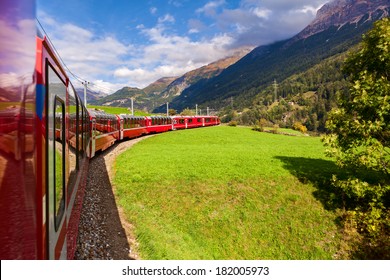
{"x":247,"y":77}
{"x":340,"y":12}
{"x":165,"y":89}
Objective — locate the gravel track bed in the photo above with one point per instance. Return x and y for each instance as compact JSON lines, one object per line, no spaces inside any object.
{"x":103,"y":232}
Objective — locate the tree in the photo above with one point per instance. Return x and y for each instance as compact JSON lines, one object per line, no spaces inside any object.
{"x":187,"y":112}
{"x":360,"y":138}
{"x":172,"y":112}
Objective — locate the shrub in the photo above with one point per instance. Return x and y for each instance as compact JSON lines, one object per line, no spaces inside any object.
{"x":299,"y":127}
{"x":232,"y":123}
{"x":258,"y":128}
{"x":275,"y":129}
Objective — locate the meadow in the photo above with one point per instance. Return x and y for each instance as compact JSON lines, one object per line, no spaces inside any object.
{"x":228,"y":193}
{"x":117,"y":110}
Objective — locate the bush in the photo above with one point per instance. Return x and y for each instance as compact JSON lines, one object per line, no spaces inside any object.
{"x":232,"y":123}
{"x":299,"y":127}
{"x":275,"y":129}
{"x":258,"y":128}
{"x":263,"y":123}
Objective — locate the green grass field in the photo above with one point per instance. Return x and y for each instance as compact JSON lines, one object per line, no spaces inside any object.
{"x":117,"y":110}
{"x":228,"y":193}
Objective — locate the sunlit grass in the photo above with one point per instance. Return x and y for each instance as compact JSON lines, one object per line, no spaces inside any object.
{"x":117,"y":110}
{"x":227,"y":193}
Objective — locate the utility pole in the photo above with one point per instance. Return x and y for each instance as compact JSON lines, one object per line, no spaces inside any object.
{"x":85,"y":83}
{"x":207,"y":111}
{"x":132,"y":106}
{"x":275,"y":89}
{"x":167,"y":109}
{"x":196,"y":109}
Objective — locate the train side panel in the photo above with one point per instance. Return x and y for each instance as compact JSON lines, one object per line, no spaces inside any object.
{"x":156,"y":124}
{"x":62,"y":160}
{"x":132,"y":126}
{"x":105,"y":130}
{"x":184,"y":122}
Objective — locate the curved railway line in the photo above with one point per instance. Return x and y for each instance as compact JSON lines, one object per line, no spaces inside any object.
{"x":103,"y":231}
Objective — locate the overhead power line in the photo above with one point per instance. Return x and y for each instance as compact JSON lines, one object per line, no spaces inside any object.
{"x":77,"y":77}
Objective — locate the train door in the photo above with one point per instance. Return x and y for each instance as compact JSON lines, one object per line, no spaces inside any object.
{"x":93,"y":131}
{"x":55,"y":163}
{"x":120,"y":118}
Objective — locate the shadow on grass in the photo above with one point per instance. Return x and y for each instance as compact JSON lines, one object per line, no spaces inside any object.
{"x":318,"y":172}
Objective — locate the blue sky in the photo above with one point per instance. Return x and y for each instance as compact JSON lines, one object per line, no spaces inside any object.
{"x":117,"y":43}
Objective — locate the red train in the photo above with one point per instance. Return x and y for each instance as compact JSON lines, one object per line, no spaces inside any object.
{"x":108,"y":128}
{"x":47,"y":137}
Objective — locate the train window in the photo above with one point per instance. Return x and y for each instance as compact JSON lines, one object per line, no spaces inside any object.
{"x":189,"y":120}
{"x":199,"y":120}
{"x":56,"y":146}
{"x":59,"y":159}
{"x":72,"y":140}
{"x":82,"y":125}
{"x":86,"y":130}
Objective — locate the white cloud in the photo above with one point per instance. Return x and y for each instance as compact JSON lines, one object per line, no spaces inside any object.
{"x":211,"y":7}
{"x":262,"y":13}
{"x":166,"y":18}
{"x":195,"y":26}
{"x":153,"y":10}
{"x":105,"y":87}
{"x":171,"y":55}
{"x":259,"y":22}
{"x":111,"y":64}
{"x":86,"y":54}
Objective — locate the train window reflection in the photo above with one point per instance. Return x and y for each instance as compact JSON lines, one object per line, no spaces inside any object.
{"x":56,"y":146}
{"x":59,"y":151}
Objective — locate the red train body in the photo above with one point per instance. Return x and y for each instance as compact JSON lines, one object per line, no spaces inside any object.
{"x":47,"y":137}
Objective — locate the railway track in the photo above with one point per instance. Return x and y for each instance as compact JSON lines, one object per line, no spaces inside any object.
{"x":103,"y":233}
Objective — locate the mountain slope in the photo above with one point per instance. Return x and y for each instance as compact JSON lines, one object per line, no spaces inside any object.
{"x":159,"y":86}
{"x":206,"y":72}
{"x":167,"y":88}
{"x":338,"y":26}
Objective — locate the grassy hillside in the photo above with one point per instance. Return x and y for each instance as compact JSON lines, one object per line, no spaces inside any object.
{"x":116,"y":110}
{"x":228,"y":193}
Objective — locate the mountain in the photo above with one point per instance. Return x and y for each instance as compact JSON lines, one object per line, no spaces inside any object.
{"x":341,"y":12}
{"x":167,"y":88}
{"x":339,"y":25}
{"x":92,"y":96}
{"x":159,"y":86}
{"x":206,"y":72}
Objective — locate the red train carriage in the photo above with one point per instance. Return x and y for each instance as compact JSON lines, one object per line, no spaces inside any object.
{"x":157,"y":124}
{"x":211,"y":120}
{"x":43,"y":171}
{"x":184,"y":122}
{"x":105,"y":130}
{"x":132,"y":126}
{"x":61,"y":154}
